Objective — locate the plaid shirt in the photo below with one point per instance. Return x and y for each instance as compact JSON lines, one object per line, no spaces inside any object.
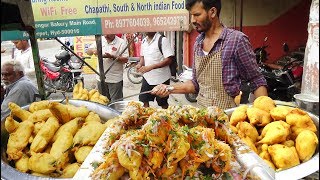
{"x":238,"y":61}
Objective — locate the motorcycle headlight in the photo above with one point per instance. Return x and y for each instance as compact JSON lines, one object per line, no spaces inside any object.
{"x":75,"y":65}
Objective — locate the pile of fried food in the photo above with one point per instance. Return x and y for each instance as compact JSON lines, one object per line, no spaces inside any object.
{"x":79,"y":92}
{"x":282,"y":136}
{"x":149,"y":143}
{"x":51,"y":139}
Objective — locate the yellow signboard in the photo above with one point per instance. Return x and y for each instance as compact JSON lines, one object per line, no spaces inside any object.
{"x":81,"y":43}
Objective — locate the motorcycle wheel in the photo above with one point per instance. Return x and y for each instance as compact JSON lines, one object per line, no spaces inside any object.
{"x":191,"y":97}
{"x":134,"y":76}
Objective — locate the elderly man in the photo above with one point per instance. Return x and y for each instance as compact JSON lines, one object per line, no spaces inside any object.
{"x":18,"y":88}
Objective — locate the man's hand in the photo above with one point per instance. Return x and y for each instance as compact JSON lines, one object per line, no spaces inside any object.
{"x":161,"y":90}
{"x":144,"y":69}
{"x":108,"y":55}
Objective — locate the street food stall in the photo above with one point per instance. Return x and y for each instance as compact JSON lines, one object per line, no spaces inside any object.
{"x":86,"y":140}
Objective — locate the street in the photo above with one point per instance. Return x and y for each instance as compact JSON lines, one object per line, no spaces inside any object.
{"x":48,"y":48}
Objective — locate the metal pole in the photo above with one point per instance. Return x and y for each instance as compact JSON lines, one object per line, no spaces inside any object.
{"x":100,"y":61}
{"x":241,"y":14}
{"x":36,"y":60}
{"x":134,"y":36}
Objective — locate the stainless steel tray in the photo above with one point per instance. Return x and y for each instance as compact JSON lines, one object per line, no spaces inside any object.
{"x":10,"y":173}
{"x":258,"y":168}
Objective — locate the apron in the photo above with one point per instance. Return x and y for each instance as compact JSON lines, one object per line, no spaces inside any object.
{"x":209,"y":77}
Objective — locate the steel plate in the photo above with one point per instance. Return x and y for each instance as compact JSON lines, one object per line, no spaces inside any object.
{"x":258,"y":168}
{"x":8,"y":172}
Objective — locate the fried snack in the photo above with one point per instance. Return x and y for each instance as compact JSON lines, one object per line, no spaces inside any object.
{"x":274,"y":133}
{"x":42,"y":163}
{"x":283,"y":157}
{"x":177,"y":147}
{"x":155,"y":157}
{"x":22,"y":163}
{"x":129,"y":156}
{"x":10,"y":124}
{"x":74,"y":111}
{"x":76,"y":90}
{"x":198,"y":136}
{"x":36,"y":106}
{"x":166,"y":171}
{"x":110,"y":169}
{"x":17,"y":111}
{"x":258,"y":117}
{"x":37,"y":127}
{"x":92,"y":116}
{"x":239,"y":115}
{"x":60,"y":111}
{"x":222,"y":159}
{"x":264,"y":103}
{"x":82,"y":152}
{"x":188,"y":166}
{"x":18,"y":140}
{"x":306,"y":144}
{"x":40,"y":115}
{"x":72,"y":127}
{"x":157,"y":127}
{"x":280,"y":112}
{"x":289,"y":143}
{"x":60,"y":147}
{"x":264,"y":154}
{"x":44,"y":136}
{"x":249,"y":143}
{"x":245,"y":129}
{"x":213,"y":114}
{"x":88,"y":134}
{"x":299,"y":120}
{"x":70,"y":170}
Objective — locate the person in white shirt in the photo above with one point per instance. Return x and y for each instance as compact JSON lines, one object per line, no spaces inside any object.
{"x":155,"y":67}
{"x":112,"y":46}
{"x":23,"y":54}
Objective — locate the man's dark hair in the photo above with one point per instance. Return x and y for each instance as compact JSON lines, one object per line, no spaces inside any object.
{"x":207,"y":4}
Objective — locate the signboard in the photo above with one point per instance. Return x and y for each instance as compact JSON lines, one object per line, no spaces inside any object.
{"x":59,"y":18}
{"x":81,"y":44}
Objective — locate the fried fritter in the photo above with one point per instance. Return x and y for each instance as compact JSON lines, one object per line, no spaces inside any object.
{"x":306,"y":144}
{"x":82,"y":152}
{"x":17,"y":111}
{"x":300,"y":120}
{"x":275,"y":132}
{"x":19,"y":139}
{"x":264,"y":103}
{"x":88,"y":134}
{"x":258,"y":117}
{"x":10,"y":124}
{"x":22,"y":163}
{"x":42,"y":163}
{"x":280,"y":112}
{"x":239,"y":115}
{"x":245,"y":129}
{"x":44,"y":136}
{"x":283,"y":157}
{"x":70,"y":170}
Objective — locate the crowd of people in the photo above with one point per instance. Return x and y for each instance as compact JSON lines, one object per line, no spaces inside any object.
{"x":223,"y":57}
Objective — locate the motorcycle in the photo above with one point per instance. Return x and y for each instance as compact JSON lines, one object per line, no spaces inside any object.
{"x":62,"y":74}
{"x":284,"y":80}
{"x":132,"y":74}
{"x":185,"y":76}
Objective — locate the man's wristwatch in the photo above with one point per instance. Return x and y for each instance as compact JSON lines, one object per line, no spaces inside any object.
{"x":170,"y":88}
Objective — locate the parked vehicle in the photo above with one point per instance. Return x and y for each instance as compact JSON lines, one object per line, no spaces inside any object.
{"x":62,"y":74}
{"x":283,"y":79}
{"x":184,"y":76}
{"x":132,"y":74}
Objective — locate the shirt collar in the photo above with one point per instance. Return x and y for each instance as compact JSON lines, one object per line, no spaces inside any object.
{"x":13,"y":84}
